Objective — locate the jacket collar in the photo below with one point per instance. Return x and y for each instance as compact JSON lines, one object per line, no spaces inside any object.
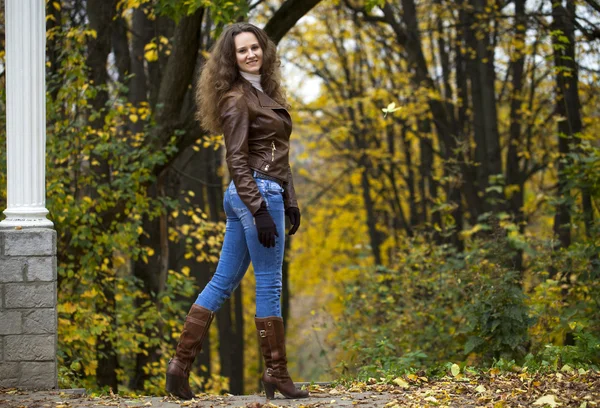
{"x":266,"y":101}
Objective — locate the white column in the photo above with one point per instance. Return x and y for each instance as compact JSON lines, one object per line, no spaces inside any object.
{"x":26,"y":114}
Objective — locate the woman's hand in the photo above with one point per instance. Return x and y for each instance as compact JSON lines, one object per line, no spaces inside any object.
{"x":294,"y":214}
{"x":265,"y":226}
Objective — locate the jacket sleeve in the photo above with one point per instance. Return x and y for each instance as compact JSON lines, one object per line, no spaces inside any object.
{"x":235,"y":123}
{"x":289,"y":194}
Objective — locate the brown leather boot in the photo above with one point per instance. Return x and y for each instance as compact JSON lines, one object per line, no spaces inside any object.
{"x":271,"y":337}
{"x":195,"y":329}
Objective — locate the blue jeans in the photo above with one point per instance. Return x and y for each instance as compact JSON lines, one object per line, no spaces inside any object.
{"x":241,"y":246}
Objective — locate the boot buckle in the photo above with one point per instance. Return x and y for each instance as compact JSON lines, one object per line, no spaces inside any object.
{"x":263,"y":333}
{"x":270,"y":372}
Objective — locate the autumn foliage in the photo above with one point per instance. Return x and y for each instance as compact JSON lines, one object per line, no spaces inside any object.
{"x":447,"y":163}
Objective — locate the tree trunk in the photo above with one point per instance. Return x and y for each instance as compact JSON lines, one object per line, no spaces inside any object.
{"x":189,"y":175}
{"x":567,"y":107}
{"x":463,"y":124}
{"x":285,"y":279}
{"x":482,"y":78}
{"x":286,"y":17}
{"x":120,"y":46}
{"x":100,"y":14}
{"x":514,"y":171}
{"x":370,"y":210}
{"x":53,"y":22}
{"x":236,"y":381}
{"x":148,"y":273}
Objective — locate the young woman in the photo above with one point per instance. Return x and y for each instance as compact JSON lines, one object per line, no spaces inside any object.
{"x":239,"y":94}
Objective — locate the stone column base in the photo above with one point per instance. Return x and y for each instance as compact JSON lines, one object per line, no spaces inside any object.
{"x":28,"y":320}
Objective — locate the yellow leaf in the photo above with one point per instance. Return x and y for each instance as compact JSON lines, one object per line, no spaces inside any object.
{"x":56,"y":5}
{"x":547,"y":400}
{"x":401,"y":383}
{"x":67,"y":307}
{"x":133,"y":118}
{"x":151,"y":56}
{"x":118,"y":261}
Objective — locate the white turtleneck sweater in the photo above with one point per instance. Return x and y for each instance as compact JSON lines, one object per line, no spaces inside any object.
{"x":254,"y":79}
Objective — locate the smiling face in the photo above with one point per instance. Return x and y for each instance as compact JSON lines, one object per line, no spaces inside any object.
{"x":248,"y":53}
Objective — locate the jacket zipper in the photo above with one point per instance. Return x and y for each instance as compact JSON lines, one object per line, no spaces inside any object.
{"x":273,"y":151}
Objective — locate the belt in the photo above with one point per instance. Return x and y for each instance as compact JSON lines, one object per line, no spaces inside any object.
{"x":264,"y":176}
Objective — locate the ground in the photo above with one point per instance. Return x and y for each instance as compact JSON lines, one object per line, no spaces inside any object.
{"x":572,"y":389}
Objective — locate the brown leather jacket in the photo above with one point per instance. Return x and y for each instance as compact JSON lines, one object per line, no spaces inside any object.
{"x":257,"y":137}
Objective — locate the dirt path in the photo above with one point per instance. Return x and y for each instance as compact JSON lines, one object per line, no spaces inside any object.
{"x":495,"y":391}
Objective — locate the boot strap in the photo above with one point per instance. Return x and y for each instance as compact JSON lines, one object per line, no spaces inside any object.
{"x":266,"y":333}
{"x":280,"y":372}
{"x":198,"y":322}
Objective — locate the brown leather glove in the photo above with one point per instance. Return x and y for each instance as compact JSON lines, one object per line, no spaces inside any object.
{"x":265,"y":226}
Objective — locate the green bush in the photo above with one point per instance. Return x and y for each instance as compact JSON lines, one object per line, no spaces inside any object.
{"x":439,"y":306}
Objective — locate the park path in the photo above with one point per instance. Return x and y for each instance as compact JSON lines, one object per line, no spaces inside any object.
{"x":49,"y":399}
{"x":494,"y":390}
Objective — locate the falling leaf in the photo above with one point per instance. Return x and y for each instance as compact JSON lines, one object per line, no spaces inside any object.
{"x":390,"y":108}
{"x":547,"y":400}
{"x":455,"y":369}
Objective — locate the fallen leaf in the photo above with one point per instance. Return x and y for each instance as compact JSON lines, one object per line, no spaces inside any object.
{"x":480,"y":388}
{"x":567,"y":369}
{"x":401,"y":383}
{"x":547,"y":400}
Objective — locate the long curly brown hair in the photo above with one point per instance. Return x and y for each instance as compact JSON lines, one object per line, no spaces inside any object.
{"x":220,"y":74}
